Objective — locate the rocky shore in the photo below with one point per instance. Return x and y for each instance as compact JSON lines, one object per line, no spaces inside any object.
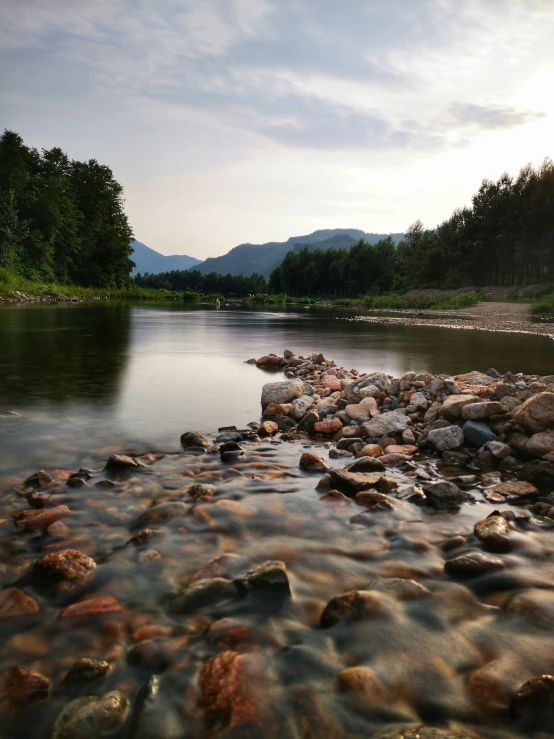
{"x":371,"y":558}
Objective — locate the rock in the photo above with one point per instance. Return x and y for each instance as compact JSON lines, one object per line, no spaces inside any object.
{"x":40,"y":520}
{"x":493,"y":373}
{"x":312,"y":463}
{"x":92,"y":717}
{"x":198,"y":492}
{"x":86,"y":670}
{"x":454,"y":459}
{"x":540,"y":444}
{"x":300,"y":407}
{"x":477,"y":433}
{"x":539,"y":473}
{"x":193,"y":438}
{"x":160,"y":514}
{"x":474,"y":378}
{"x":287,"y":354}
{"x":271,"y":575}
{"x":267,"y":428}
{"x":120,"y":462}
{"x":63,"y":572}
{"x":514,"y":491}
{"x":97,"y":605}
{"x":38,"y":480}
{"x":406,"y":449}
{"x":450,"y":437}
{"x":13,"y":603}
{"x":371,"y":450}
{"x":393,"y":422}
{"x":419,"y":731}
{"x":417,"y":403}
{"x":395,"y":458}
{"x":432,"y":412}
{"x":155,"y":713}
{"x":451,"y":409}
{"x":505,"y":390}
{"x":494,"y":532}
{"x":268,"y":360}
{"x":21,"y":688}
{"x":362,"y":682}
{"x":358,"y":604}
{"x":400,"y":587}
{"x":535,"y":606}
{"x":332,"y":382}
{"x":498,"y":449}
{"x":370,"y":498}
{"x":282,"y":392}
{"x":509,"y":403}
{"x":476,"y":411}
{"x":328,"y":427}
{"x":408,"y":436}
{"x":273,"y":409}
{"x":473,"y":564}
{"x":366,"y":407}
{"x":535,"y":697}
{"x":443,"y":495}
{"x":312,"y":718}
{"x":537,"y":412}
{"x":366,"y":464}
{"x":226,"y":565}
{"x":307,"y":424}
{"x":351,"y":483}
{"x":203,"y":593}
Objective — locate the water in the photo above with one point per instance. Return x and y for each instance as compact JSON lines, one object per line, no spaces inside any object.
{"x":84,"y":377}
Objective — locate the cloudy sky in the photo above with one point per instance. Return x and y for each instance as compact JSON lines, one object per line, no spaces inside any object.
{"x":231,"y":121}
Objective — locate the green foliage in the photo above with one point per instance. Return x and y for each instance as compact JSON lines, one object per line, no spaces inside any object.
{"x":421,"y":302}
{"x":61,"y":220}
{"x":232,"y":286}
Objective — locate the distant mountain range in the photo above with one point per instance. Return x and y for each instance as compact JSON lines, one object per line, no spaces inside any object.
{"x":263,"y":258}
{"x":249,"y":258}
{"x":148,"y":260}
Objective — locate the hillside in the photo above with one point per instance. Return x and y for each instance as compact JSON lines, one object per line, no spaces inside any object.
{"x":263,"y":258}
{"x":148,"y":260}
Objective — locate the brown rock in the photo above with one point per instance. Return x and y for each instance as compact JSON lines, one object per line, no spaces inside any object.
{"x":535,"y":697}
{"x":268,"y":428}
{"x":268,"y":360}
{"x":271,"y":410}
{"x":13,"y":602}
{"x":97,"y":605}
{"x":367,"y":464}
{"x":86,"y":670}
{"x":38,"y":480}
{"x":121,"y":462}
{"x":358,"y":604}
{"x":406,"y":449}
{"x":19,"y":688}
{"x":541,"y":444}
{"x":363,"y":683}
{"x":230,"y":633}
{"x":271,"y":575}
{"x":418,"y":731}
{"x":314,"y":721}
{"x":371,"y":450}
{"x":312,"y":463}
{"x":477,"y":411}
{"x":391,"y":459}
{"x":494,"y":532}
{"x":335,"y":497}
{"x":226,"y":565}
{"x":63,"y":572}
{"x":535,"y":606}
{"x":40,"y":520}
{"x":452,"y":406}
{"x":351,"y":483}
{"x":473,"y":564}
{"x":328,"y":427}
{"x":370,"y":498}
{"x":514,"y":491}
{"x":537,"y":412}
{"x":332,"y":382}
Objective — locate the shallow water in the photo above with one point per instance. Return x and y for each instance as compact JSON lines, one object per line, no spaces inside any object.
{"x":84,"y":377}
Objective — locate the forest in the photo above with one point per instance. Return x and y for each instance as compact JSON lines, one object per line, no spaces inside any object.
{"x":61,"y":220}
{"x":504,"y":238}
{"x":211,"y":283}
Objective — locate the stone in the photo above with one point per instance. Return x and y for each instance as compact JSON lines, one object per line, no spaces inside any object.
{"x":450,"y":437}
{"x":226,"y":565}
{"x":366,"y":407}
{"x":358,"y":604}
{"x":476,"y":411}
{"x":540,"y":444}
{"x":433,"y":412}
{"x":376,"y":379}
{"x":328,"y":427}
{"x":63,"y":572}
{"x":407,"y":449}
{"x":474,"y":378}
{"x":395,"y":458}
{"x":510,"y":403}
{"x":282,"y":392}
{"x":86,"y":670}
{"x":536,"y":413}
{"x":454,"y":459}
{"x":477,"y":434}
{"x":21,"y":688}
{"x":38,"y":480}
{"x":371,"y":450}
{"x":400,"y":587}
{"x":498,"y":449}
{"x":534,"y":606}
{"x":370,"y":498}
{"x":97,"y":605}
{"x":366,"y":464}
{"x":193,"y":438}
{"x":351,"y":483}
{"x":271,"y":410}
{"x":393,"y":422}
{"x":493,"y":373}
{"x":443,"y":495}
{"x":473,"y":564}
{"x":514,"y":491}
{"x":332,"y":382}
{"x":419,"y":731}
{"x":121,"y":462}
{"x":494,"y":532}
{"x":417,"y":403}
{"x":312,"y":463}
{"x":362,"y":682}
{"x":13,"y":603}
{"x":300,"y":406}
{"x":203,"y":593}
{"x":505,"y":390}
{"x":287,"y":354}
{"x":540,"y":473}
{"x":408,"y":436}
{"x":267,"y":428}
{"x":451,"y":408}
{"x":199,"y":492}
{"x":268,"y":360}
{"x":271,"y":575}
{"x":312,"y":718}
{"x":535,"y":697}
{"x":160,"y":513}
{"x":92,"y":717}
{"x":40,"y":520}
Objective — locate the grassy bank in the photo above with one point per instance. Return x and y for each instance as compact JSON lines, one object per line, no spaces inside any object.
{"x":377,"y":302}
{"x":543,"y":306}
{"x":11,"y":284}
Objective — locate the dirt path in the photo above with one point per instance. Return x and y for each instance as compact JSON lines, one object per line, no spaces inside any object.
{"x":498,"y":311}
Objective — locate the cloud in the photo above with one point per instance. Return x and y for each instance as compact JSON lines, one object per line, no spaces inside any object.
{"x":492,"y":116}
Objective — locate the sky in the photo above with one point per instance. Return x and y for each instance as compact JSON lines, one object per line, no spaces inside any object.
{"x":233,"y":121}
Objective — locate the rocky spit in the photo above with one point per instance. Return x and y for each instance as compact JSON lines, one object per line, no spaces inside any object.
{"x":373,"y":557}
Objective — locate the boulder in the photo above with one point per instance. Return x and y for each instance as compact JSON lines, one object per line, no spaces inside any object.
{"x":477,"y":433}
{"x":451,"y":409}
{"x":537,"y":412}
{"x":393,"y":422}
{"x":476,"y":411}
{"x":443,"y":495}
{"x":282,"y":392}
{"x":540,"y":444}
{"x":450,"y":437}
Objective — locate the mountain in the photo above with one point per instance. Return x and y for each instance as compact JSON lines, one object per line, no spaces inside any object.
{"x":263,"y":258}
{"x":148,"y":260}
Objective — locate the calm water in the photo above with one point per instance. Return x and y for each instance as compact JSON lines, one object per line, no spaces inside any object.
{"x":87,"y":377}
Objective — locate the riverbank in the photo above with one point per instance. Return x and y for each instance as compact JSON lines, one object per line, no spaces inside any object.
{"x":373,"y":554}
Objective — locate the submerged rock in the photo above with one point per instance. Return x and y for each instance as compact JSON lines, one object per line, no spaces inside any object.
{"x":193,"y":439}
{"x":535,"y":697}
{"x":271,"y":575}
{"x":351,"y":483}
{"x":473,"y":564}
{"x":494,"y":532}
{"x":63,"y":572}
{"x":443,"y":495}
{"x":120,"y":462}
{"x":14,"y":602}
{"x":358,"y":604}
{"x":21,"y":688}
{"x":92,"y":717}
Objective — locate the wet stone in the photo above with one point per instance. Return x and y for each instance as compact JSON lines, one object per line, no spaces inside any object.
{"x":514,"y":491}
{"x":535,"y":697}
{"x":271,"y":575}
{"x":357,"y":604}
{"x":160,"y":514}
{"x":312,"y":463}
{"x":473,"y":564}
{"x":366,"y":464}
{"x":494,"y":532}
{"x":351,"y":483}
{"x":20,"y":688}
{"x":203,"y":593}
{"x":92,"y":717}
{"x":38,"y":480}
{"x":201,"y":492}
{"x":443,"y":495}
{"x":13,"y":603}
{"x":193,"y":439}
{"x":96,"y":606}
{"x":85,"y":671}
{"x":121,"y":462}
{"x":63,"y":572}
{"x":424,"y":732}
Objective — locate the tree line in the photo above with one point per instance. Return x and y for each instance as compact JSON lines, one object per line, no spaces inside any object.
{"x":60,"y":219}
{"x":182,"y":280}
{"x":504,"y":238}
